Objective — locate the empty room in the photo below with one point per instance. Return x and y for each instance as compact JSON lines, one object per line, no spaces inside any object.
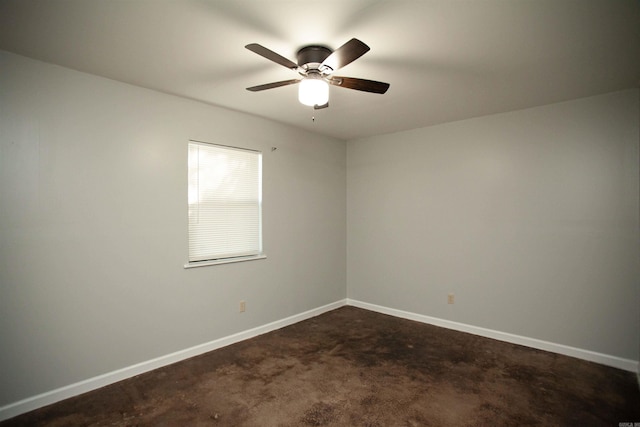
{"x":340,"y":213}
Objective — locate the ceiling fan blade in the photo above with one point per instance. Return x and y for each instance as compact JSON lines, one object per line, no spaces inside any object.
{"x":345,"y":54}
{"x":272,"y":56}
{"x":273,"y":85}
{"x":360,"y":84}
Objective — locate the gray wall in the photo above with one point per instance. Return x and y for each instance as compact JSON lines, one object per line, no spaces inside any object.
{"x":93,"y":227}
{"x":529,"y":217}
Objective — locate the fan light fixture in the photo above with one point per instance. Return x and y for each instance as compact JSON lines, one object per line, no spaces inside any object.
{"x":316,"y":64}
{"x":313,"y":90}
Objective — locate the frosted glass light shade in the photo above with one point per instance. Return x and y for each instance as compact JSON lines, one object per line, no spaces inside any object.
{"x":313,"y":91}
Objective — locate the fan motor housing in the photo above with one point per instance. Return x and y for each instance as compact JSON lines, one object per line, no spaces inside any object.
{"x":313,"y":55}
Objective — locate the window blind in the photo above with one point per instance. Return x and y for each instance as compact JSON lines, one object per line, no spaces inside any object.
{"x":225,"y":202}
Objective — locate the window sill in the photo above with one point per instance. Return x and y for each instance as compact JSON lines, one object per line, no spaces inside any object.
{"x":223,"y":261}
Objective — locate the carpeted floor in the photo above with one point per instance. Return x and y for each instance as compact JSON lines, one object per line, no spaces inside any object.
{"x":352,"y":367}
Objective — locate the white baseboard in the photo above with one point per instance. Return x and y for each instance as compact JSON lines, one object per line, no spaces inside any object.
{"x":53,"y":396}
{"x":592,"y":356}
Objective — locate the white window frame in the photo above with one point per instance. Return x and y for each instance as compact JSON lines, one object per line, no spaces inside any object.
{"x":224,"y":204}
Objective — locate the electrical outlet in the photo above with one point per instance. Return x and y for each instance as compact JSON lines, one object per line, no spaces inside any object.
{"x":451,"y":299}
{"x":243,"y":306}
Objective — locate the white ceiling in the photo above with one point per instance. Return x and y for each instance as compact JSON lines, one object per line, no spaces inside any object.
{"x":446,"y":60}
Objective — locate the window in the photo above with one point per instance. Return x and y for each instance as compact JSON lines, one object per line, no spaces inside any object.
{"x":225,"y":204}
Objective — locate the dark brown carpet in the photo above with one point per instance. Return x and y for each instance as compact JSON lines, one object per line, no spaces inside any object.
{"x":352,"y":367}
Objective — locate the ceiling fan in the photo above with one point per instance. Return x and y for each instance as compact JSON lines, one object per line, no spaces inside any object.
{"x":316,"y":65}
